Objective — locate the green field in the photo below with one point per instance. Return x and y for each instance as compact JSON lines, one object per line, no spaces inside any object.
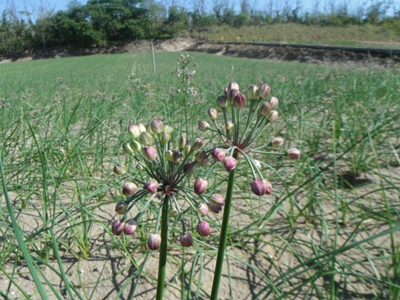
{"x":329,"y":230}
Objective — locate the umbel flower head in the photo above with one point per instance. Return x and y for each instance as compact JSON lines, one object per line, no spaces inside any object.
{"x":164,"y":166}
{"x":239,"y":119}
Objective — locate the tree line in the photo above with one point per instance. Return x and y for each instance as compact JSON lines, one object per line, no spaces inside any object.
{"x":105,"y":22}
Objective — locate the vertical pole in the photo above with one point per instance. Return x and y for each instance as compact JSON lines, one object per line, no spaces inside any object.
{"x":152,"y":56}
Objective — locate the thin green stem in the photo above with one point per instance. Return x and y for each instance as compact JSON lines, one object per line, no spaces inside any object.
{"x":224,"y":234}
{"x":162,"y":263}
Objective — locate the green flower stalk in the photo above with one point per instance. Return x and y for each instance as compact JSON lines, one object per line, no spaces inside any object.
{"x":244,"y":119}
{"x":166,"y":165}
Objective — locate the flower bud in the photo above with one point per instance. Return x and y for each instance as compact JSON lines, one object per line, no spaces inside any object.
{"x":257,"y":163}
{"x":148,"y":129}
{"x":200,"y":186}
{"x":186,"y":240}
{"x":117,"y":227}
{"x":200,"y":156}
{"x":212,"y":113}
{"x":257,"y":186}
{"x":168,"y":155}
{"x":149,"y":152}
{"x":222,"y":101}
{"x":146,"y":139}
{"x":154,"y":241}
{"x":293,"y":153}
{"x":157,"y":126}
{"x":203,"y":228}
{"x":142,"y":128}
{"x":151,"y":186}
{"x":203,"y":125}
{"x":264,"y":109}
{"x":273,"y":116}
{"x":264,"y":90}
{"x":120,"y":169}
{"x":127,"y":149}
{"x":229,"y":126}
{"x":197,"y":143}
{"x":182,"y":143}
{"x":216,"y":209}
{"x":218,"y":154}
{"x":176,"y":156}
{"x":217,"y":199}
{"x":139,"y":167}
{"x":252,"y":92}
{"x":121,"y":207}
{"x":129,"y":189}
{"x":203,"y":209}
{"x":187,"y":150}
{"x":239,"y":101}
{"x":233,"y":86}
{"x":165,"y":137}
{"x":168,"y":129}
{"x":268,"y":186}
{"x":274,"y":102}
{"x":232,"y":94}
{"x":134,"y":131}
{"x":229,"y":163}
{"x":135,"y":146}
{"x":277,"y":141}
{"x":130,"y":227}
{"x":189,"y":167}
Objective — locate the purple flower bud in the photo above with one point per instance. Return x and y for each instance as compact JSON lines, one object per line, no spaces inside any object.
{"x":229,"y":125}
{"x":117,"y":227}
{"x":277,"y":141}
{"x":274,"y":102}
{"x":121,"y":207}
{"x":239,"y":101}
{"x":146,"y":139}
{"x":157,"y":126}
{"x":229,"y":163}
{"x":252,"y":92}
{"x":127,"y":149}
{"x":268,"y":186}
{"x":182,"y":143}
{"x":154,"y":241}
{"x":264,"y":90}
{"x":149,"y":152}
{"x":129,"y":189}
{"x":203,"y":228}
{"x":232,"y":94}
{"x":120,"y":169}
{"x":216,"y":209}
{"x":151,"y":186}
{"x":130,"y":227}
{"x":273,"y":116}
{"x":189,"y":167}
{"x":186,"y":240}
{"x":218,"y":154}
{"x":197,"y":143}
{"x":222,"y":101}
{"x":200,"y":186}
{"x":233,"y":86}
{"x":257,"y":186}
{"x":293,"y":153}
{"x":217,"y":199}
{"x":203,"y":125}
{"x":264,"y":109}
{"x":203,"y":209}
{"x":134,"y":130}
{"x":212,"y":113}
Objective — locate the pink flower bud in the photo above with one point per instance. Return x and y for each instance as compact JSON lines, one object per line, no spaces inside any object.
{"x":154,"y":241}
{"x":264,"y":109}
{"x":146,"y":139}
{"x":186,"y":240}
{"x":134,"y":130}
{"x":203,"y":125}
{"x":212,"y":113}
{"x":239,"y":101}
{"x":232,"y":94}
{"x":151,"y":186}
{"x":277,"y":141}
{"x":149,"y":152}
{"x":203,"y":228}
{"x":121,"y":207}
{"x":233,"y":86}
{"x":273,"y":116}
{"x":293,"y":153}
{"x":217,"y":199}
{"x":189,"y":167}
{"x":117,"y":227}
{"x":130,"y":227}
{"x":222,"y":101}
{"x":216,"y":209}
{"x":258,"y":188}
{"x":252,"y":92}
{"x":268,"y":186}
{"x":120,"y":169}
{"x":273,"y":102}
{"x":218,"y":154}
{"x":203,"y":209}
{"x":129,"y":189}
{"x":229,"y":163}
{"x":200,"y":186}
{"x":264,"y":91}
{"x":157,"y":126}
